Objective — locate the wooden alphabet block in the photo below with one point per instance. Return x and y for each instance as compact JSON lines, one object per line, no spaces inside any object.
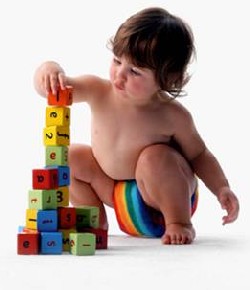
{"x":62,"y":194}
{"x":65,"y":238}
{"x":46,"y":178}
{"x":56,"y":136}
{"x":47,"y":220}
{"x":63,"y":175}
{"x":23,"y":229}
{"x":31,"y":219}
{"x":57,"y":116}
{"x":42,"y":199}
{"x":66,"y":217}
{"x":56,"y":155}
{"x":82,"y":244}
{"x":62,"y":97}
{"x":51,"y":243}
{"x":101,"y":237}
{"x":87,"y":216}
{"x":28,"y":243}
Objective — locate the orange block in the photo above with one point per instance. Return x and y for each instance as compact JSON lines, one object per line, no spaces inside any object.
{"x":62,"y":97}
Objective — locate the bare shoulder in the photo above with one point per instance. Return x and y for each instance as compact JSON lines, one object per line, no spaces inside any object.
{"x":177,"y":112}
{"x":88,"y":87}
{"x":184,"y":130}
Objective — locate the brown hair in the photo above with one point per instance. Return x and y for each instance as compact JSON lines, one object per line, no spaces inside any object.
{"x":155,"y":39}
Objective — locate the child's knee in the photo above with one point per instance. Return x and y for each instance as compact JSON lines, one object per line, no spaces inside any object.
{"x":154,"y":157}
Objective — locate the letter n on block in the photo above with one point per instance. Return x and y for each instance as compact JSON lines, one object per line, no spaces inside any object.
{"x":45,"y":178}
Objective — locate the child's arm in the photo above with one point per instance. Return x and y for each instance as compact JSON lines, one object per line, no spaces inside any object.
{"x":50,"y":75}
{"x":205,"y":164}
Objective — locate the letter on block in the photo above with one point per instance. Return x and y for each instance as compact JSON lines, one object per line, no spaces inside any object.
{"x":51,"y":243}
{"x":56,"y":135}
{"x":62,"y":98}
{"x":62,"y":196}
{"x":66,"y":217}
{"x":27,"y":243}
{"x":87,"y":216}
{"x":57,"y":116}
{"x":42,"y":199}
{"x":45,"y":178}
{"x":65,"y":238}
{"x":82,"y":244}
{"x":47,"y":221}
{"x":31,"y":219}
{"x":63,"y":175}
{"x":101,"y":237}
{"x":56,"y":155}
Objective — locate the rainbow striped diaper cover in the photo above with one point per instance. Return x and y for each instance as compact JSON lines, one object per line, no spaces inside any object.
{"x":134,"y":216}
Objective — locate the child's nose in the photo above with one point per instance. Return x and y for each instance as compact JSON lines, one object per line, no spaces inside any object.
{"x":121,"y":74}
{"x":120,"y":78}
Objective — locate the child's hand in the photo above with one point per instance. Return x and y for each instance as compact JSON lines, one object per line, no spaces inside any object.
{"x":230,"y":203}
{"x":48,"y":77}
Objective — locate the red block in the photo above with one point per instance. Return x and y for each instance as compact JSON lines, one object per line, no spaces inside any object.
{"x":45,"y":178}
{"x":28,"y":243}
{"x":62,"y":97}
{"x":66,"y":217}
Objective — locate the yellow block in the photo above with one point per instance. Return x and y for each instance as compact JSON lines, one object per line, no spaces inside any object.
{"x":62,"y":194}
{"x":56,"y":135}
{"x":57,"y":116}
{"x":31,"y":219}
{"x":66,"y":240}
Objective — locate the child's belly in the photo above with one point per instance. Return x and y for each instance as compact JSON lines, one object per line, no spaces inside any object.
{"x":119,"y":159}
{"x":119,"y":165}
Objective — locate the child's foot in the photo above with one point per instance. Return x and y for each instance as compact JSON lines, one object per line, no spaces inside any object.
{"x":178,"y":234}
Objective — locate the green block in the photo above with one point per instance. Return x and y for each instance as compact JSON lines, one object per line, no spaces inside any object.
{"x":87,"y":216}
{"x":82,"y":244}
{"x":56,"y":155}
{"x":42,"y":199}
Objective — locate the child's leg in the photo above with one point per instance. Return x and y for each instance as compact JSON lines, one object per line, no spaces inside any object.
{"x":89,"y":185}
{"x":166,"y":183}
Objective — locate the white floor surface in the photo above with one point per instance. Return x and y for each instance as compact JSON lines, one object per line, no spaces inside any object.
{"x":211,"y":262}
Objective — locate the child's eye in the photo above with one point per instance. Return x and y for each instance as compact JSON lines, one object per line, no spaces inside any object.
{"x":135,"y":72}
{"x":116,"y":61}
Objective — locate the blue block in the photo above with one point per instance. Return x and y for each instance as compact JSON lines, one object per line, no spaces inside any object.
{"x":63,"y":175}
{"x":47,"y":220}
{"x":20,"y":229}
{"x":51,"y":243}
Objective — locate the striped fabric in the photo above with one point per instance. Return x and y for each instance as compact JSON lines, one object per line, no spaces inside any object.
{"x":134,"y":216}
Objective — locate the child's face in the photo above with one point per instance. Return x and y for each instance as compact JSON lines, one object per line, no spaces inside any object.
{"x":135,"y":83}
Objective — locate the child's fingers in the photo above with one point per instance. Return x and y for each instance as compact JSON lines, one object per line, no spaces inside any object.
{"x":62,"y":80}
{"x":54,"y":83}
{"x":47,"y":84}
{"x":232,"y":208}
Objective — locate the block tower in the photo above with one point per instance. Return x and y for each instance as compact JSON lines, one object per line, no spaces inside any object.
{"x":52,"y":225}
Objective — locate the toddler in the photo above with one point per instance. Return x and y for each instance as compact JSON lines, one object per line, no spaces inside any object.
{"x":146,"y":155}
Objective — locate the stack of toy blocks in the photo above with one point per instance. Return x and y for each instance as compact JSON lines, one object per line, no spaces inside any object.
{"x":52,"y":226}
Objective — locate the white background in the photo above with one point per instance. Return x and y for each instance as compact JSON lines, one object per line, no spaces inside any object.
{"x":75,"y":34}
